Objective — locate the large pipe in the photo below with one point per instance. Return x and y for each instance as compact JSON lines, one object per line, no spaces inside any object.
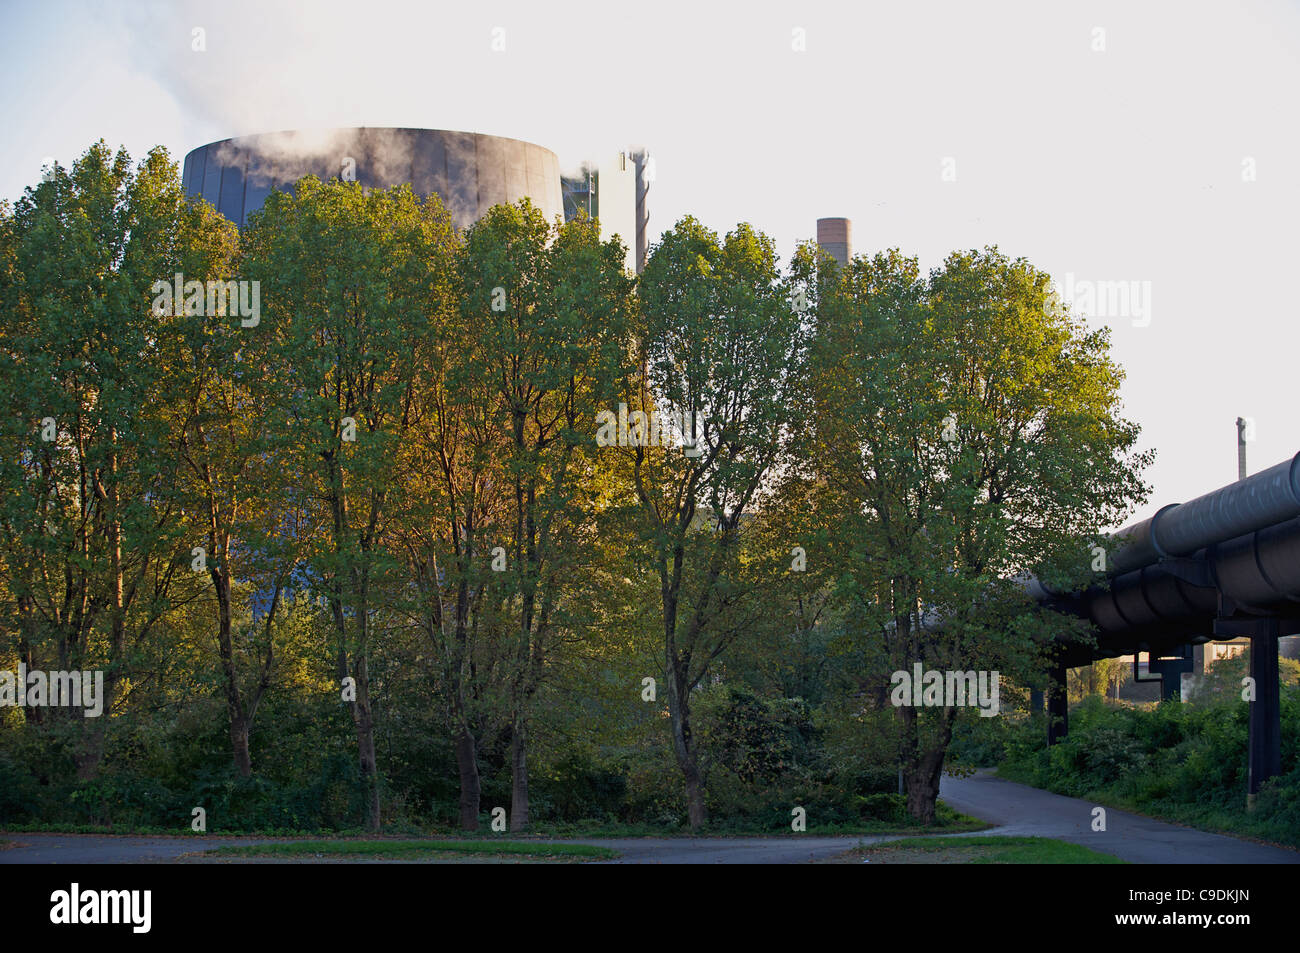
{"x":1245,"y":540}
{"x":1259,"y":571}
{"x":1246,"y":506}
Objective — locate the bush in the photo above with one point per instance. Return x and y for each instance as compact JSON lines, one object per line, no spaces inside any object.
{"x":19,"y":792}
{"x":891,"y":808}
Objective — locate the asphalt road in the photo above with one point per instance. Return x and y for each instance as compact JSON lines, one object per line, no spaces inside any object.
{"x":97,"y":849}
{"x":100,"y":849}
{"x":1029,"y":812}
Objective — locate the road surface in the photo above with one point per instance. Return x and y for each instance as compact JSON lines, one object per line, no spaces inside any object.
{"x":99,"y":849}
{"x":1021,"y":810}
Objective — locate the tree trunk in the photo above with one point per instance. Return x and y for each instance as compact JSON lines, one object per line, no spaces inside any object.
{"x":239,"y":724}
{"x":697,"y":813}
{"x":90,"y":748}
{"x":923,"y":766}
{"x":239,"y":731}
{"x":679,"y":711}
{"x":90,"y":751}
{"x":921,"y":779}
{"x":364,"y":720}
{"x":467,"y":765}
{"x":518,"y":779}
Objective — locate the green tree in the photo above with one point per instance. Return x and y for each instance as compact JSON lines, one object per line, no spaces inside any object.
{"x":550,"y":309}
{"x":248,"y":515}
{"x":91,"y":518}
{"x":722,"y":349}
{"x":356,"y":287}
{"x":969,"y":430}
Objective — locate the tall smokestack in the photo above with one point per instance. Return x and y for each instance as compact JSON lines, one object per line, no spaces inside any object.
{"x":1242,"y":426}
{"x":835,"y":237}
{"x":645,"y":174}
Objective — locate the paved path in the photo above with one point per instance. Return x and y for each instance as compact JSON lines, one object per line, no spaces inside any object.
{"x":100,"y":849}
{"x":1018,"y":809}
{"x":97,"y":849}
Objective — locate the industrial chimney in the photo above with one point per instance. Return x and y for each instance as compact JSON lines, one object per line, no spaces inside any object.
{"x":1243,"y":434}
{"x":835,"y":237}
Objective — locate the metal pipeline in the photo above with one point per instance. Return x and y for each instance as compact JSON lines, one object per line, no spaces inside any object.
{"x":1241,"y":542}
{"x":1265,"y":499}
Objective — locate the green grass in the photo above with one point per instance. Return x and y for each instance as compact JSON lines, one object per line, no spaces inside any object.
{"x":956,"y":824}
{"x":416,"y":850}
{"x":980,"y":850}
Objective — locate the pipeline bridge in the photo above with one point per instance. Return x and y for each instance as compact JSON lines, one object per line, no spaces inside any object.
{"x":1225,"y":565}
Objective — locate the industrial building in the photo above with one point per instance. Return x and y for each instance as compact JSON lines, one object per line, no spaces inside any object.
{"x":470,"y":172}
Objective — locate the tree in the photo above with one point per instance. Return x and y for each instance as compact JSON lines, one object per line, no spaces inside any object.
{"x":91,"y":514}
{"x":251,"y":521}
{"x":357,"y":287}
{"x":968,"y":430}
{"x":550,"y":308}
{"x":722,"y":350}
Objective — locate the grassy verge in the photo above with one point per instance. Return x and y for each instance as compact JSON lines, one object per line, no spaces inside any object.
{"x":947,"y":821}
{"x":416,"y":850}
{"x":976,"y":850}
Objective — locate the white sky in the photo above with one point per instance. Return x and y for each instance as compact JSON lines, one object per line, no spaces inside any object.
{"x":1120,"y":165}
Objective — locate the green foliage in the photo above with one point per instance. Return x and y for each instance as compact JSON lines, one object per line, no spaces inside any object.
{"x":965,"y":431}
{"x":19,"y":792}
{"x":415,"y":401}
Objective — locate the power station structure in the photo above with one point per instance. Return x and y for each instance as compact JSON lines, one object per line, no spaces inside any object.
{"x":469,"y":172}
{"x":614,"y":190}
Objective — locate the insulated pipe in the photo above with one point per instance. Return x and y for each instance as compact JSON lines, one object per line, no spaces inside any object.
{"x":1246,"y":536}
{"x":1259,"y":501}
{"x":1262,"y":568}
{"x":1259,"y":571}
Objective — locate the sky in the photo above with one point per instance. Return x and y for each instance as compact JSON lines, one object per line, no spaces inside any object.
{"x":1147,"y":146}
